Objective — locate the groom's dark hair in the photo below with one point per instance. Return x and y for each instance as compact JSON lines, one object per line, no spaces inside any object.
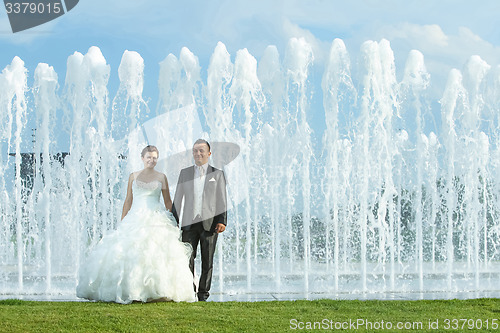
{"x":202,"y":141}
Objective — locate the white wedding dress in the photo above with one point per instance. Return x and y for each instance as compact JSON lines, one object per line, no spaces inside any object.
{"x":143,"y":259}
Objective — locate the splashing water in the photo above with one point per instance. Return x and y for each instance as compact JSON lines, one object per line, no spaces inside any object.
{"x":376,"y":205}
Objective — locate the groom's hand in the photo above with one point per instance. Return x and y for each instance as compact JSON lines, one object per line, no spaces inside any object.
{"x":220,"y":228}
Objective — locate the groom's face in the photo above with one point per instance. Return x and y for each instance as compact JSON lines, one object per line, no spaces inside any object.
{"x":201,"y":153}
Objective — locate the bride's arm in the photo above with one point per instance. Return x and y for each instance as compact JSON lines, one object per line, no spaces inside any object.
{"x":128,"y":200}
{"x":166,"y":194}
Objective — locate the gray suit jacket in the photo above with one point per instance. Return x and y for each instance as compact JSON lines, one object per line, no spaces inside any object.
{"x":214,"y":203}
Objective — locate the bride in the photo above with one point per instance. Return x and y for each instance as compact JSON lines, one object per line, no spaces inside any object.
{"x":144,"y":258}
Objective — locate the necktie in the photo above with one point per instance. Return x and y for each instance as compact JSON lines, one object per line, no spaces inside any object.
{"x":201,"y":171}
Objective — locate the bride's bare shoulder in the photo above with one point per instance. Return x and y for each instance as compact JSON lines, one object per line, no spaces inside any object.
{"x":160,"y":176}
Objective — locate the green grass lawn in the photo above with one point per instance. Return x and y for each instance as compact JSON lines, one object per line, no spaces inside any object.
{"x":481,"y":315}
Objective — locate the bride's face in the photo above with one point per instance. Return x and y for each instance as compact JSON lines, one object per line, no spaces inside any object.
{"x":150,"y":159}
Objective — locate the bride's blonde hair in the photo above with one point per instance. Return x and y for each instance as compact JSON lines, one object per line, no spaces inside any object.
{"x":149,"y":149}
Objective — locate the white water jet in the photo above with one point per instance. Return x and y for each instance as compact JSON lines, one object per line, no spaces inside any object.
{"x":129,"y":101}
{"x":217,"y":111}
{"x":92,"y":161}
{"x":415,"y":82}
{"x":218,"y":117}
{"x":298,"y":59}
{"x":453,"y":94}
{"x":431,"y":149}
{"x":377,"y":186}
{"x":178,"y":83}
{"x":271,"y":77}
{"x":474,"y":77}
{"x":337,"y":90}
{"x":246,"y":98}
{"x":46,"y":103}
{"x":99,"y":154}
{"x":15,"y":78}
{"x":179,"y":86}
{"x":77,"y":118}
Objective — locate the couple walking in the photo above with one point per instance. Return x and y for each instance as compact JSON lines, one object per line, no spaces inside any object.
{"x":144,"y":259}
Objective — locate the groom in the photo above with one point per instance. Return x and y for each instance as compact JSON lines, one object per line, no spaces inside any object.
{"x":203,"y":190}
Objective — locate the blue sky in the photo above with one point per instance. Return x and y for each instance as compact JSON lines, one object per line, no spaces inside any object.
{"x":446,"y":32}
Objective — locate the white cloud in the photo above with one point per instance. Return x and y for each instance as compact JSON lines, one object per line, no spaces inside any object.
{"x":430,"y":35}
{"x":432,"y":41}
{"x":442,"y":51}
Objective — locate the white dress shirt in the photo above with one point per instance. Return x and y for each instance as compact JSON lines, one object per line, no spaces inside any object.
{"x":199,"y":184}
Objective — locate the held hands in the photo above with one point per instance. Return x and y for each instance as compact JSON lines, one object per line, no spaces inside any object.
{"x":220,"y":228}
